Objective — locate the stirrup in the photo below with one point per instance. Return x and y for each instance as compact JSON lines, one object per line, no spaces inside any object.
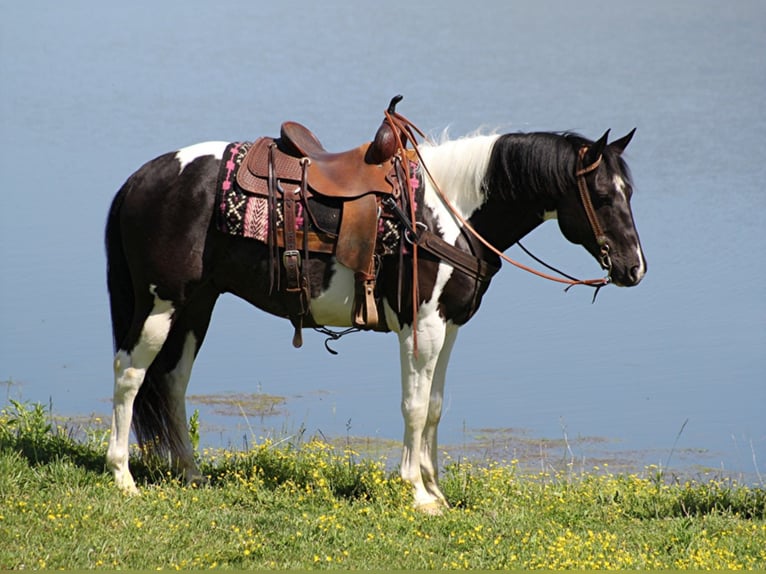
{"x":365,"y":315}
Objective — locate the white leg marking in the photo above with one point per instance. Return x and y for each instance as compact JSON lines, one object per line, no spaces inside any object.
{"x":420,"y":417}
{"x":127,"y":381}
{"x":188,"y":154}
{"x":417,"y":374}
{"x":129,"y":371}
{"x":429,"y":459}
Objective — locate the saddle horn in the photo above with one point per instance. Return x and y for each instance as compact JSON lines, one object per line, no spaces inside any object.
{"x":384,"y":145}
{"x":392,"y":105}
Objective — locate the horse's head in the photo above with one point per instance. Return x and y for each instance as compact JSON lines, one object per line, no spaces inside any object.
{"x":596,"y":212}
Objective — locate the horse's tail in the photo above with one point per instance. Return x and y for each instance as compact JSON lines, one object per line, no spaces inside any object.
{"x":152,"y":405}
{"x":118,"y":280}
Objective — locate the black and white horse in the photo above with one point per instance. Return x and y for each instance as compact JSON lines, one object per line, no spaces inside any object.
{"x":168,"y":263}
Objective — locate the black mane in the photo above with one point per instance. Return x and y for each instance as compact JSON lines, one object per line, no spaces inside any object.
{"x":529,"y":166}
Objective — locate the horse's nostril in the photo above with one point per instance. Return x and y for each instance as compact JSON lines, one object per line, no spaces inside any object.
{"x":635,"y":274}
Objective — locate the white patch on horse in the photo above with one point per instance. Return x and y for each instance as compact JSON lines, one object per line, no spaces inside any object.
{"x":619,"y":185}
{"x":333,"y":306}
{"x":155,"y":331}
{"x":188,"y":154}
{"x":459,"y":168}
{"x":642,"y":264}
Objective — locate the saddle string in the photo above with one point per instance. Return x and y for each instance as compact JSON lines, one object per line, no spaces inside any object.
{"x":405,"y":124}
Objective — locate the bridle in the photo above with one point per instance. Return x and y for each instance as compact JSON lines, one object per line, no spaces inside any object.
{"x":582,"y":186}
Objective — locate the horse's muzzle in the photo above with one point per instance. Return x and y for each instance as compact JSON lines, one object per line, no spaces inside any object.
{"x":629,"y":277}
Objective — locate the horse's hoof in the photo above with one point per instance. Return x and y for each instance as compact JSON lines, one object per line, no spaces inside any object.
{"x":126,"y":485}
{"x":435,"y":508}
{"x":129,"y":490}
{"x":198,"y":481}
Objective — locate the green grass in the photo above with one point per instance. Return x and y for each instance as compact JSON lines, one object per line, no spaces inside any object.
{"x":311,"y":505}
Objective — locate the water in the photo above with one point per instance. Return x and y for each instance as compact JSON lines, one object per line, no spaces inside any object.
{"x":83,"y":105}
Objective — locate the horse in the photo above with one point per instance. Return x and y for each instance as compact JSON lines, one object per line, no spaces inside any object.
{"x":168,"y":262}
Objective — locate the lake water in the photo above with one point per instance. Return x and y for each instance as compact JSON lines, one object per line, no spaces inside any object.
{"x":91,"y":90}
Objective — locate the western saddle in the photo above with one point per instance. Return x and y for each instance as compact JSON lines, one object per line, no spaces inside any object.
{"x":296,"y":167}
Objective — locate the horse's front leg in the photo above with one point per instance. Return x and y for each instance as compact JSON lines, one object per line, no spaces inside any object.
{"x":429,"y":460}
{"x":417,"y":376}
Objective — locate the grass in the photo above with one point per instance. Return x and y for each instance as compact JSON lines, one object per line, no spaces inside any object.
{"x":311,"y":505}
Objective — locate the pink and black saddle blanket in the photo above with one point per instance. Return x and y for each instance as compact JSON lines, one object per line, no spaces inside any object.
{"x":244,"y":214}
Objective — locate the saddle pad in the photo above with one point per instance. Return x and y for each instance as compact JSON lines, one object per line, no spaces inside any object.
{"x":247,"y":215}
{"x":237,"y":213}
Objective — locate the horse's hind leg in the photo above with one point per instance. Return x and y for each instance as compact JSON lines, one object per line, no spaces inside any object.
{"x":131,"y":362}
{"x":176,"y":382}
{"x":172,"y":371}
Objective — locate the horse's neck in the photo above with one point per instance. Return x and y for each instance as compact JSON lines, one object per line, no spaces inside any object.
{"x":482,"y":186}
{"x":522,"y":183}
{"x":458,"y":167}
{"x":503,"y":185}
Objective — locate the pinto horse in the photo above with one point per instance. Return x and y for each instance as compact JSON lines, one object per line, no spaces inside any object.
{"x":168,"y":262}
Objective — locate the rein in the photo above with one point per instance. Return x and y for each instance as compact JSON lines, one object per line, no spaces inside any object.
{"x":402,"y":124}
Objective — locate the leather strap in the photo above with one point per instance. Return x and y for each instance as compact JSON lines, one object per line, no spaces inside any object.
{"x":315,"y":242}
{"x":582,"y":186}
{"x":465,"y":262}
{"x":297,"y":283}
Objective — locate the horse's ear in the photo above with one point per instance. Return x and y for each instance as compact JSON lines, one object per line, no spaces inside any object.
{"x":620,"y":144}
{"x":595,"y":150}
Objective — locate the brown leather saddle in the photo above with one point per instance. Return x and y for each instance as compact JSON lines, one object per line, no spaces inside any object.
{"x":296,"y":167}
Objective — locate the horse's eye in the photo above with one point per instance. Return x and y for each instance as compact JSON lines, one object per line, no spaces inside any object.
{"x":602,"y":198}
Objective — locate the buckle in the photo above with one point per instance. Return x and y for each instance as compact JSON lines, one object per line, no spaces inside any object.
{"x":291,"y":253}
